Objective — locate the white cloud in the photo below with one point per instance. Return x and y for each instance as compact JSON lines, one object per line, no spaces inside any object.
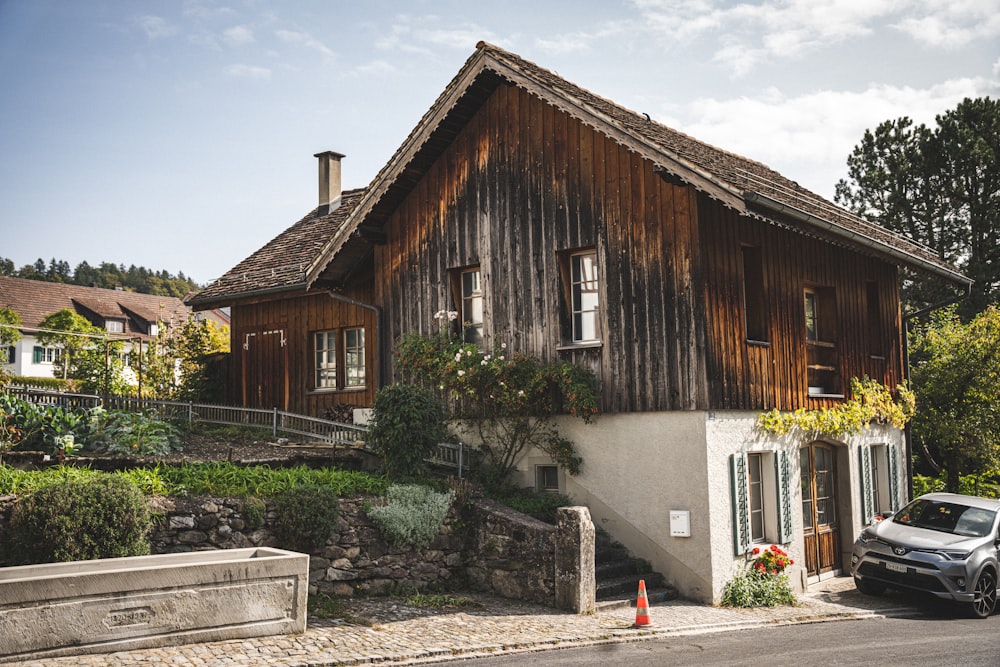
{"x":238,"y":35}
{"x":249,"y":72}
{"x":422,"y":35}
{"x":306,"y":41}
{"x":808,"y":137}
{"x":374,"y":68}
{"x":745,"y":34}
{"x":156,"y":26}
{"x":952,"y":24}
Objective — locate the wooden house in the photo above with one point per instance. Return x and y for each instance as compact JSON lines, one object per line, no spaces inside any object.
{"x":702,"y":288}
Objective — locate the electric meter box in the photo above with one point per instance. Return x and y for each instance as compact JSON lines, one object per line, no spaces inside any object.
{"x":680,"y":523}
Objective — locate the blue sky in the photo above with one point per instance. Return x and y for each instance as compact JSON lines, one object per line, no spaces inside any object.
{"x":179,"y":134}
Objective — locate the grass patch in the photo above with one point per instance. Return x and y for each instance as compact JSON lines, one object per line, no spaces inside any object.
{"x":207,"y":479}
{"x":439,"y":601}
{"x":541,"y":506}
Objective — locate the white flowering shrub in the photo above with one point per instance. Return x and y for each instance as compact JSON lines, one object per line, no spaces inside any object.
{"x":411,"y":515}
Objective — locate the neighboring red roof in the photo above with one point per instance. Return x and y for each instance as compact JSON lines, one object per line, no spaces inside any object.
{"x":34,"y":300}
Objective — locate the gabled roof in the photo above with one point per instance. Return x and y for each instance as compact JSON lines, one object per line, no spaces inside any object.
{"x":745,"y":185}
{"x":281,"y":264}
{"x":34,"y":300}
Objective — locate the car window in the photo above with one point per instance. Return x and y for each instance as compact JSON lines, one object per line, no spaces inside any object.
{"x":947,"y":518}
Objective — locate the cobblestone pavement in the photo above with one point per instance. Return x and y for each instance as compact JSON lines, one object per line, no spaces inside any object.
{"x":388,"y":631}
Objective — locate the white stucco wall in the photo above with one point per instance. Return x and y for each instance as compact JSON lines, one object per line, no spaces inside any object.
{"x":638,"y":467}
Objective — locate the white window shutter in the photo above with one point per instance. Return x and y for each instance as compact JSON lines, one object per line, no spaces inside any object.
{"x":741,"y":503}
{"x":782,"y":475}
{"x":865,"y":472}
{"x":893,"y":478}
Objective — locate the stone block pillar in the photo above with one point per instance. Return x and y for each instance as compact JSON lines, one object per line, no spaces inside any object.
{"x":575,"y":581}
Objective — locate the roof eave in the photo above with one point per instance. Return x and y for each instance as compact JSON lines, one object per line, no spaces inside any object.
{"x":896,"y":253}
{"x":199,"y":304}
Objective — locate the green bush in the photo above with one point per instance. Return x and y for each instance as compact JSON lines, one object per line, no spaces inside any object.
{"x":80,"y":517}
{"x":306,"y":516}
{"x":133,"y":434}
{"x":755,"y":589}
{"x":254,"y":511}
{"x":541,"y":506}
{"x":412,"y":514}
{"x":407,"y":424}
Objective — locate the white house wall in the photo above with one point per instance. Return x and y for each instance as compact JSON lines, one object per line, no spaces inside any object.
{"x":637,"y":467}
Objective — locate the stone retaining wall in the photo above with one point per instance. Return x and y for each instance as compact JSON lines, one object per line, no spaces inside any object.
{"x":484,"y":547}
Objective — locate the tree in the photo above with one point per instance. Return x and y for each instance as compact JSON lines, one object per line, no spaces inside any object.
{"x":507,"y":399}
{"x":939,"y":187}
{"x":192,"y":345}
{"x":956,"y":372}
{"x":9,"y":323}
{"x":74,"y":335}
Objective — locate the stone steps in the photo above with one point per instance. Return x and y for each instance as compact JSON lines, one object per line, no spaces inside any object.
{"x":618,"y":574}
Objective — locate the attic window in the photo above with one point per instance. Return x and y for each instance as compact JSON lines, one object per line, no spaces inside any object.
{"x":154,"y":329}
{"x":114,"y":326}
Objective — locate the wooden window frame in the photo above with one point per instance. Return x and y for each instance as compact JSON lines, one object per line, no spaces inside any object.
{"x":775,"y":494}
{"x":471,"y":330}
{"x":755,"y":316}
{"x":342,"y":377}
{"x":572,"y":299}
{"x":820,"y":327}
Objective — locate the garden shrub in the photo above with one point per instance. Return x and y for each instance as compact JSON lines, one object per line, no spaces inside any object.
{"x":753,"y":589}
{"x":407,"y":424}
{"x":254,"y":511}
{"x":412,"y":514}
{"x":764,"y":584}
{"x":79,"y":518}
{"x":306,"y":516}
{"x":134,"y":434}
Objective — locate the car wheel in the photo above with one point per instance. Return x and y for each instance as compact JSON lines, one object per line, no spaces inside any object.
{"x":985,"y":595}
{"x":869,"y":587}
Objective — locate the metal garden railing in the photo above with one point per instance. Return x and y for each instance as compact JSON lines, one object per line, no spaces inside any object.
{"x":277,"y":421}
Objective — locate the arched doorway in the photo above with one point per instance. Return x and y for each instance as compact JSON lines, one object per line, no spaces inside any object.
{"x":821,"y":533}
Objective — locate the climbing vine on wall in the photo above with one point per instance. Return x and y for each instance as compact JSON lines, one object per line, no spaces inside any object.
{"x":870,"y":402}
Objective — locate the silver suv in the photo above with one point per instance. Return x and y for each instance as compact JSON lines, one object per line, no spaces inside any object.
{"x":941,"y":543}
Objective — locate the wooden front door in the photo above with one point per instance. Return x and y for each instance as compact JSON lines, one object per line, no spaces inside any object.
{"x":265,"y":368}
{"x":819,"y":508}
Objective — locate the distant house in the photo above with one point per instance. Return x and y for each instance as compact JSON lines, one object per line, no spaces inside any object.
{"x":700,"y":286}
{"x":124,"y":315}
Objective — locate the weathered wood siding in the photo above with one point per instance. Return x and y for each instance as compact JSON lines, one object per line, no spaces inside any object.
{"x":267,"y":374}
{"x":523,"y":182}
{"x":520,"y":184}
{"x":751,"y":376}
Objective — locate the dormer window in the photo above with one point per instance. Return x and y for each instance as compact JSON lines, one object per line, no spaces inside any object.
{"x":154,"y":329}
{"x":114,"y":326}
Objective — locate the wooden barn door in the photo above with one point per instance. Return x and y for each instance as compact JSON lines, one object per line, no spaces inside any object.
{"x":819,"y":508}
{"x":265,"y":368}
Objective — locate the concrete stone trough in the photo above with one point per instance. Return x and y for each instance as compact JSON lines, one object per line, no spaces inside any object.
{"x":117,"y":604}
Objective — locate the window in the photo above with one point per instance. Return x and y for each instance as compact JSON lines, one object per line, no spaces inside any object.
{"x":547,"y":479}
{"x":755,"y":477}
{"x":581,"y":296}
{"x":469,"y":297}
{"x":876,"y":330}
{"x":154,"y":329}
{"x":761,"y":497}
{"x":46,"y":355}
{"x":326,"y":359}
{"x":585,"y":296}
{"x":11,"y":354}
{"x":114,"y":326}
{"x":354,"y":354}
{"x":340,"y":358}
{"x":754,"y":301}
{"x":879,"y":480}
{"x":822,"y":362}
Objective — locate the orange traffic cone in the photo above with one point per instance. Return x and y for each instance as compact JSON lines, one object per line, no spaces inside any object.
{"x":641,"y":606}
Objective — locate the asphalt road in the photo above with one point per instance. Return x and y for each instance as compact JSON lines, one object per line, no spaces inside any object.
{"x":932,"y":640}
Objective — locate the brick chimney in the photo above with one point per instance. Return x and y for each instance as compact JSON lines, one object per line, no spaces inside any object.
{"x":329,"y":181}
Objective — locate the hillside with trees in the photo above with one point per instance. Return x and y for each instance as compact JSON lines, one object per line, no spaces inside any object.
{"x":110,"y":276}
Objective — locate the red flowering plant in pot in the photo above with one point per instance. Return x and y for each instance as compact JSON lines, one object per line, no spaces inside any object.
{"x":772,"y":560}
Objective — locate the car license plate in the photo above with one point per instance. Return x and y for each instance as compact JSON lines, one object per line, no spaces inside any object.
{"x":895,"y":567}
